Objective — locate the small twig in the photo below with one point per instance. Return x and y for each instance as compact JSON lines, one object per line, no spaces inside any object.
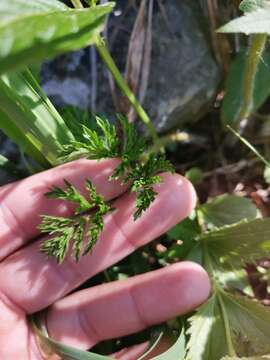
{"x":231,"y":168}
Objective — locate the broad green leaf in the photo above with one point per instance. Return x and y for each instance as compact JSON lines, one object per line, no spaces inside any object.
{"x":15,"y":134}
{"x":234,"y":89}
{"x":177,"y":351}
{"x":250,"y":324}
{"x":226,"y":275}
{"x":234,"y":245}
{"x":185,"y":231}
{"x":227,"y":209}
{"x":207,"y":333}
{"x":13,"y":8}
{"x":31,"y":31}
{"x":254,"y":21}
{"x":29,"y":119}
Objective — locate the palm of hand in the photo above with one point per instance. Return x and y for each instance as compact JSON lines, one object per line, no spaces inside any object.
{"x":30,"y":282}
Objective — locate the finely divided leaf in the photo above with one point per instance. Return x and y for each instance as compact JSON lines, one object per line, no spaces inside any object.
{"x":71,"y":194}
{"x":33,"y":31}
{"x":106,"y":143}
{"x":93,"y":144}
{"x":85,"y":226}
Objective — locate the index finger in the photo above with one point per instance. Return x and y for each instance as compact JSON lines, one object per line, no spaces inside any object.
{"x":22,"y":202}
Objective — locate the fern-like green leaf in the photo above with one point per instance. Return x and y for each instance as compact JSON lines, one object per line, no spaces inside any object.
{"x":85,"y":226}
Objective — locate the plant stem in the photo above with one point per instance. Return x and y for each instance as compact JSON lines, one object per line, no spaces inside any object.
{"x":77,"y":4}
{"x":108,"y":60}
{"x":168,"y":139}
{"x":253,"y":58}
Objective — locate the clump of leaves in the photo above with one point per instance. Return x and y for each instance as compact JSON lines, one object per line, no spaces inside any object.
{"x":86,"y":224}
{"x":224,"y":236}
{"x":108,"y":141}
{"x":124,"y":143}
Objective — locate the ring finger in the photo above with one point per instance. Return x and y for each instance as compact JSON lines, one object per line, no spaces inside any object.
{"x":120,"y":308}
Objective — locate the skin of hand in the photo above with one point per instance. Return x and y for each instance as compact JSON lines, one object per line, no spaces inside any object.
{"x":30,"y":282}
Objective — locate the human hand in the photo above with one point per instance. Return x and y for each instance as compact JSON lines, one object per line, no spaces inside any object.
{"x":30,"y":282}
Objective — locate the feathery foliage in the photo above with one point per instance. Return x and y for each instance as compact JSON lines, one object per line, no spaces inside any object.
{"x":108,"y":141}
{"x":123,"y":142}
{"x":85,"y":225}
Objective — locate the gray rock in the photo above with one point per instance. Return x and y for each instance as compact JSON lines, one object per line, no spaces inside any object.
{"x":183,"y":77}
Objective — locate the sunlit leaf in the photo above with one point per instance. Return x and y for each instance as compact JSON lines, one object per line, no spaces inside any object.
{"x":30,"y":120}
{"x":31,"y":30}
{"x":254,"y":21}
{"x":207,"y":333}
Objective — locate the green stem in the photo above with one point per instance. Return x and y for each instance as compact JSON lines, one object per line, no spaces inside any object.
{"x":253,"y":58}
{"x":108,"y":60}
{"x":77,"y":4}
{"x":168,"y":139}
